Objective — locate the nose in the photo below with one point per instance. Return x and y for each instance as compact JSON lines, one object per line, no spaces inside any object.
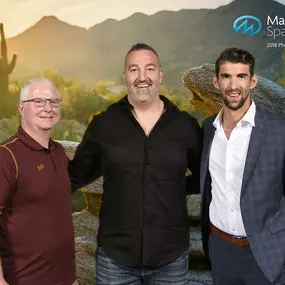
{"x":233,"y":83}
{"x":47,"y":106}
{"x":141,"y":75}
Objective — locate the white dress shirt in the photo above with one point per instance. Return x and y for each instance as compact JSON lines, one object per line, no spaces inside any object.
{"x":226,"y":166}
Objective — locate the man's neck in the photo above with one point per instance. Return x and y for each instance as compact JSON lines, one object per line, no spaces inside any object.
{"x":230,"y":118}
{"x":147,"y":116}
{"x":41,"y":136}
{"x":150,"y":107}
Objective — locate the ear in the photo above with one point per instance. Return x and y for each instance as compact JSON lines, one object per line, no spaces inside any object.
{"x":216,"y":82}
{"x":160,"y":75}
{"x":124,"y":75}
{"x":21,"y":108}
{"x":253,"y":81}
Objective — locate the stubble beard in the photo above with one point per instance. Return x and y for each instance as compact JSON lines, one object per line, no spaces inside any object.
{"x":234,"y":106}
{"x":143,"y":95}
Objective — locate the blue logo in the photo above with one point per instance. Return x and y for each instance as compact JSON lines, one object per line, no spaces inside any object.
{"x":242,"y":23}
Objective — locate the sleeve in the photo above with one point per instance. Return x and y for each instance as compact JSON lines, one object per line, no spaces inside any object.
{"x":194,"y":154}
{"x":283,"y":174}
{"x":8,"y":176}
{"x":85,"y":167}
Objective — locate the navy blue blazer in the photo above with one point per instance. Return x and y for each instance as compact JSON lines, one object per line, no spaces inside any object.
{"x":262,"y":195}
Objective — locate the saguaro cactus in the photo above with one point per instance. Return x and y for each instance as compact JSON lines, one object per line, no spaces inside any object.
{"x":5,"y":68}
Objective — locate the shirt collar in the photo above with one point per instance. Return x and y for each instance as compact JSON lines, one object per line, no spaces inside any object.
{"x":167,"y":103}
{"x":26,"y":139}
{"x":249,"y":117}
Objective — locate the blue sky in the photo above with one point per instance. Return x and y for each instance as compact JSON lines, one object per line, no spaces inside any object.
{"x":18,"y":15}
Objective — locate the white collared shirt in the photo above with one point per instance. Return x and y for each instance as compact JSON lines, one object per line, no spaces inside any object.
{"x":226,"y":166}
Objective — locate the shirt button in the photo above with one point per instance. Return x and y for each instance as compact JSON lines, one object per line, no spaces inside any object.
{"x":232,"y":210}
{"x":234,"y":230}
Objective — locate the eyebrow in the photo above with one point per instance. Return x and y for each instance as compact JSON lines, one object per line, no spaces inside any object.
{"x":136,"y":65}
{"x":228,"y":75}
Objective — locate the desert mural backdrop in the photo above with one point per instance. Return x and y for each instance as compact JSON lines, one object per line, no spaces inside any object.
{"x":81,"y":45}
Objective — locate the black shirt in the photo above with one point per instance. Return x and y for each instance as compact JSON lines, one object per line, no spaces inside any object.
{"x":143,"y":216}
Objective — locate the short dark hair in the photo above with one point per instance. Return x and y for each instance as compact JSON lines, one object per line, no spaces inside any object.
{"x":235,"y":55}
{"x":141,"y":46}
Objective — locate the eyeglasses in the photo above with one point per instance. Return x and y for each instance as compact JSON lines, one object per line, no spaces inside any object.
{"x":41,"y":102}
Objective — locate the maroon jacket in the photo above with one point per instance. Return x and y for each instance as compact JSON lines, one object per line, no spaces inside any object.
{"x":36,"y":229}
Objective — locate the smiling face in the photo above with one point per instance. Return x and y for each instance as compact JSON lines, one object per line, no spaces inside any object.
{"x":142,"y":76}
{"x":35,"y":118}
{"x":234,"y":82}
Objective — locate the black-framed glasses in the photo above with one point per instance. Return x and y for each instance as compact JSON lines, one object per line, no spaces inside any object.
{"x":41,"y":102}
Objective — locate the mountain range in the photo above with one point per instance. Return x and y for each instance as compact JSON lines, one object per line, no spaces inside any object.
{"x":184,"y":39}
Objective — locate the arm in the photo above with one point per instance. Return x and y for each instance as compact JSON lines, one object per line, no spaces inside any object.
{"x":195,"y":146}
{"x":85,"y":167}
{"x":284,"y":176}
{"x":8,"y":178}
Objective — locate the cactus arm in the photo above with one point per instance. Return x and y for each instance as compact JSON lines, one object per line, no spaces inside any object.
{"x":11,"y":66}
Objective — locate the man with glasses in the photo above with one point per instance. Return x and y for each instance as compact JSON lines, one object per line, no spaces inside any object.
{"x":36,"y":230}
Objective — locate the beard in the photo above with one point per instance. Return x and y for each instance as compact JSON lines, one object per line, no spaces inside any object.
{"x":236,"y":105}
{"x":143,"y":94}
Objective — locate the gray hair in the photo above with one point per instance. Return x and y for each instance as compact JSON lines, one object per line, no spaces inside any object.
{"x":25,"y":89}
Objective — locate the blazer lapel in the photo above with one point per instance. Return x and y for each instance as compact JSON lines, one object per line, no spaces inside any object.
{"x":254,"y":148}
{"x":209,"y":135}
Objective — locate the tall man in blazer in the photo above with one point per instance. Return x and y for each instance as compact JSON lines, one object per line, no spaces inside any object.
{"x":242,"y":181}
